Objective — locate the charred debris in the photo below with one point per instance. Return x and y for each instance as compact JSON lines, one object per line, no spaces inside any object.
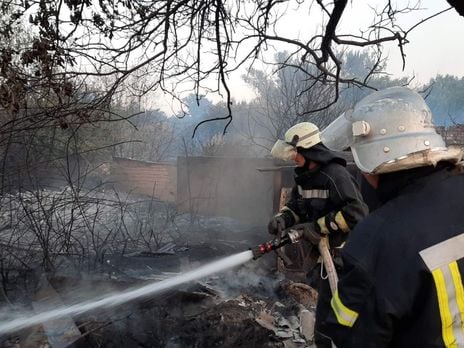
{"x":249,"y":306}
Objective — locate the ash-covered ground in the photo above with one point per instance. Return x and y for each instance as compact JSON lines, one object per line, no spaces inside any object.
{"x":87,"y":244}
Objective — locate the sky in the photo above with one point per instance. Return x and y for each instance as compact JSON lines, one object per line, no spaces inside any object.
{"x":435,"y":47}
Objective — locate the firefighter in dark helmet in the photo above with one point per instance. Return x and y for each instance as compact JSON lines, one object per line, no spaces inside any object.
{"x":325,"y":200}
{"x":401,"y":284}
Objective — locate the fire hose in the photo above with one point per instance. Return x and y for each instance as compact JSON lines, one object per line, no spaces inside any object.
{"x":294,"y":236}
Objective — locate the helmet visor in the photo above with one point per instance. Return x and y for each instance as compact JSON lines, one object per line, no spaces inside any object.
{"x":283,"y":151}
{"x":338,"y":135}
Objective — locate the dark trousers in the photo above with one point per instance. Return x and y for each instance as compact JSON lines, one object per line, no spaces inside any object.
{"x":323,"y":305}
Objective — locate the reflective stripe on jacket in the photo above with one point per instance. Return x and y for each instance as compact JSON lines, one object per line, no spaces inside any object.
{"x":328,"y":196}
{"x":401,"y":283}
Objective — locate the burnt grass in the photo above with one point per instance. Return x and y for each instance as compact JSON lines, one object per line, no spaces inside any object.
{"x":183,"y":322}
{"x":216,"y":312}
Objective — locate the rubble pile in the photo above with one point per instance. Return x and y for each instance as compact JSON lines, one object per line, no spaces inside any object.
{"x":201,"y":318}
{"x":197,"y":316}
{"x":249,"y":306}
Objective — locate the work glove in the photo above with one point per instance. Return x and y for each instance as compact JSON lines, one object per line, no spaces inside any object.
{"x":273,"y":225}
{"x":310,"y":232}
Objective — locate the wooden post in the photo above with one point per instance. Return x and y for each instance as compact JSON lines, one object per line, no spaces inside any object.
{"x":277,"y":187}
{"x":284,"y":192}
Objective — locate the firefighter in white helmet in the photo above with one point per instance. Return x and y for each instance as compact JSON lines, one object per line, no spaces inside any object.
{"x":401,"y":282}
{"x":325,"y":200}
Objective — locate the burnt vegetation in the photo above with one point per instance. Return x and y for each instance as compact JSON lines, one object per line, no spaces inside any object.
{"x":75,"y":77}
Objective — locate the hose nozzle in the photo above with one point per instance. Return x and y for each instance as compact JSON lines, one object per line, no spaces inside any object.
{"x":292,"y":236}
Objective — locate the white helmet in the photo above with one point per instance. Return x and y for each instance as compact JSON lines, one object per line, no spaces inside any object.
{"x":389,"y":130}
{"x":304,"y":135}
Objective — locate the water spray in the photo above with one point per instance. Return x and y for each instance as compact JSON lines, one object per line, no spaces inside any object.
{"x":110,"y":300}
{"x":114,"y":299}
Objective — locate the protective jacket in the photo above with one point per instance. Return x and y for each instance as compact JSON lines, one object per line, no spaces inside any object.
{"x":401,"y":283}
{"x":327,"y":195}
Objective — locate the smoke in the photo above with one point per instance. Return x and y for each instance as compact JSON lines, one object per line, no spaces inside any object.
{"x":252,"y":278}
{"x":13,"y":324}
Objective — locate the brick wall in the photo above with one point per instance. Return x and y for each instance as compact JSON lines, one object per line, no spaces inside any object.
{"x":152,"y":179}
{"x":453,"y":135}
